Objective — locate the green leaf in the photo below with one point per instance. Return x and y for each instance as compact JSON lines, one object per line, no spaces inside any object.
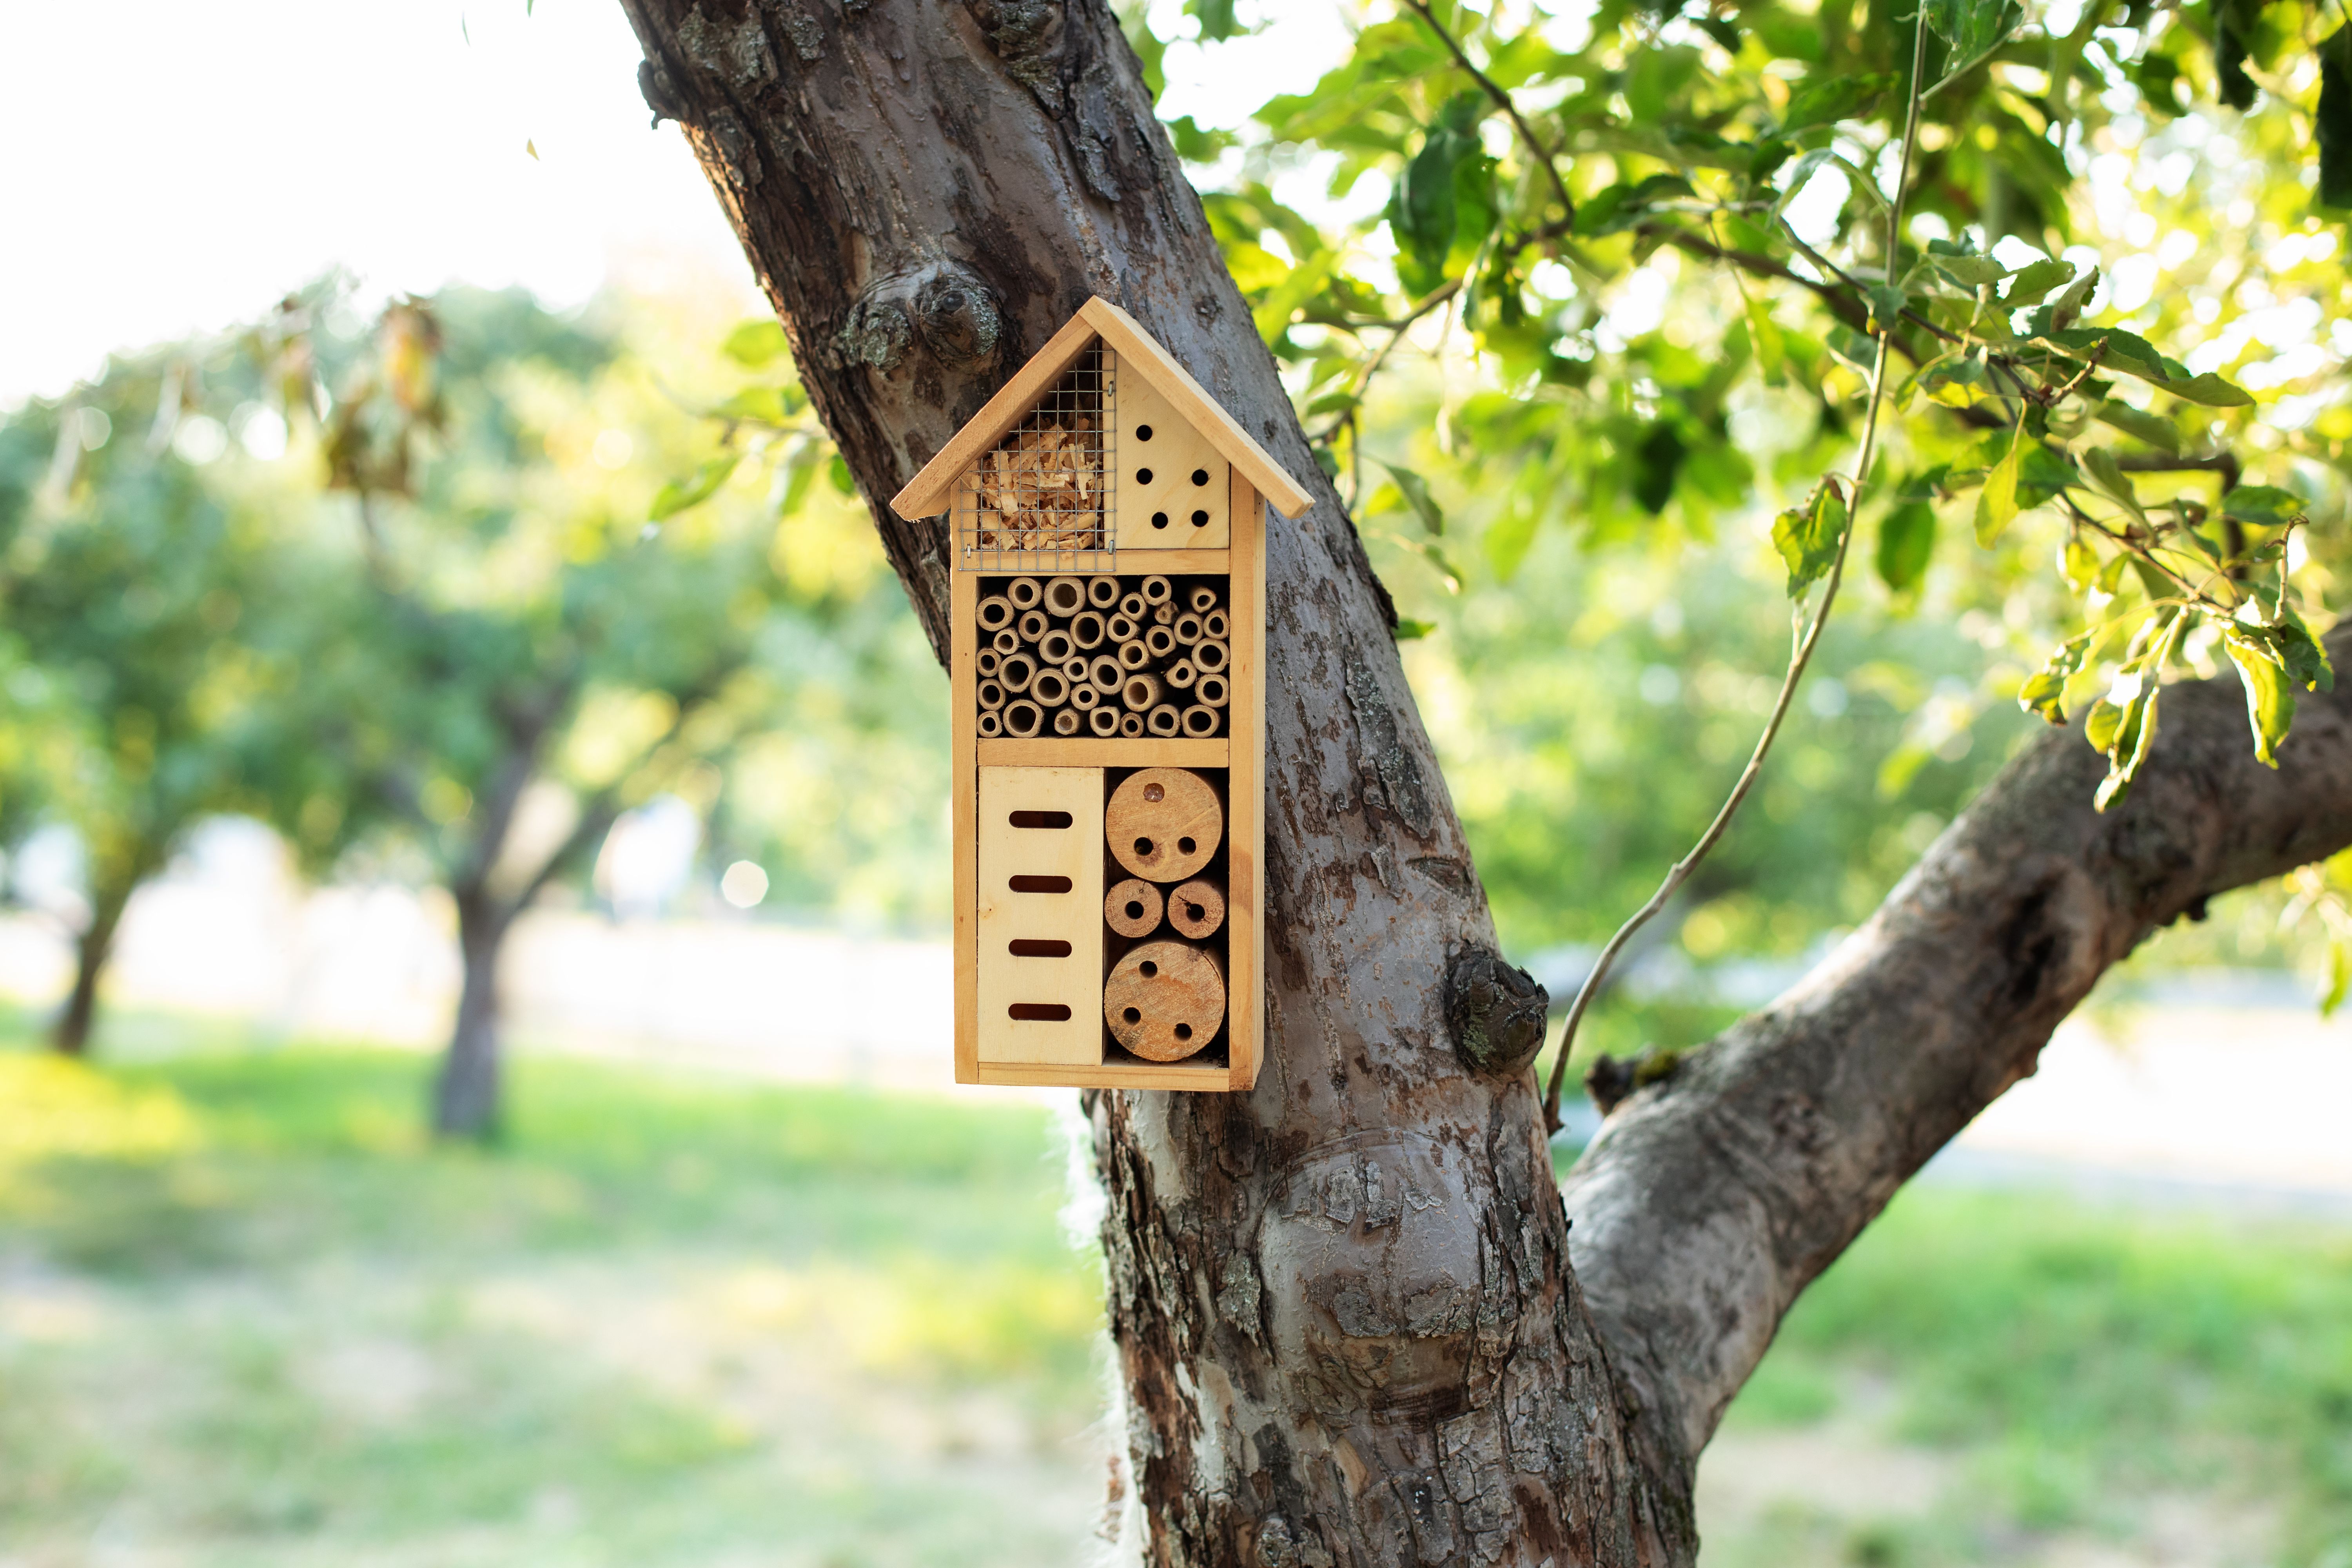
{"x":1808,"y":536}
{"x":1771,"y":346}
{"x":2111,"y":481}
{"x":1423,"y":209}
{"x":1826,"y":100}
{"x":2265,"y":506}
{"x":1409,"y":630}
{"x":2044,"y":691}
{"x":2068,"y":307}
{"x":2270,"y":695}
{"x":1970,"y":26}
{"x":762,"y":404}
{"x":678,"y":494}
{"x":2339,"y":977}
{"x":2149,"y":427}
{"x":1970,"y":272}
{"x":2079,"y":563}
{"x":2134,"y":355}
{"x":1624,"y":204}
{"x":755,"y":343}
{"x":1997,"y":502}
{"x":1217,"y":20}
{"x":2034,"y":282}
{"x":1907,"y":541}
{"x":1415,"y":491}
{"x":2306,"y":658}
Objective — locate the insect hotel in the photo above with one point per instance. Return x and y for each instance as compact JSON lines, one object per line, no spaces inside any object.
{"x":1108,"y":616}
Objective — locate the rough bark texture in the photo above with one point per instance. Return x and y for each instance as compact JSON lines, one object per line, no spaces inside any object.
{"x":1343,"y":1307}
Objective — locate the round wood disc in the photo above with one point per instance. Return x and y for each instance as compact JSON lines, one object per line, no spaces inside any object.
{"x":1197,"y":909}
{"x":1163,"y":823}
{"x":1165,"y":1000}
{"x":1132,"y":908}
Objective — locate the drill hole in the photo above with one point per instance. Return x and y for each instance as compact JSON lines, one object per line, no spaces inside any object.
{"x":1144,"y":432}
{"x":1143,"y":846}
{"x":1155,"y":792}
{"x":1200,"y":476}
{"x":1143,"y":476}
{"x":1135,"y":911}
{"x":1147,"y":969}
{"x":1159,"y":520}
{"x":1183,"y":1031}
{"x":1132,"y":1016}
{"x":1199,"y":519}
{"x":1183,"y":847}
{"x":1192,"y":912}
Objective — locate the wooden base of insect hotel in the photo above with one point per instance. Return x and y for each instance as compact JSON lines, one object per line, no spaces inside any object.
{"x":1108,"y":618}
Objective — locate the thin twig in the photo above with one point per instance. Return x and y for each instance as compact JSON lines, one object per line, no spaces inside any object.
{"x":1803,"y":654}
{"x":1527,"y":132}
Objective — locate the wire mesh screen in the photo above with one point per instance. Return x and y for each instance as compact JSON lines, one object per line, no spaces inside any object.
{"x":1041,"y":501}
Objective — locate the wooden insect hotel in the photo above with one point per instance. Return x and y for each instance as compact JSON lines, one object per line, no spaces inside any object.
{"x":1109,"y":698}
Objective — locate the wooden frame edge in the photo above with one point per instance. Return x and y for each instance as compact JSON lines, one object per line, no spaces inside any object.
{"x":964,"y":600}
{"x":1246,"y":776}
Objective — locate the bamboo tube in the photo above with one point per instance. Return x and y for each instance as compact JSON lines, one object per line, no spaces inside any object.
{"x":1102,"y":593}
{"x":1104,"y":722}
{"x":1068,"y":721}
{"x":1122,"y":627}
{"x":1197,"y":909}
{"x":1132,"y":908}
{"x":1141,"y":693}
{"x":991,"y":693}
{"x":1087,"y":629}
{"x":1160,"y":641}
{"x":1057,"y":646}
{"x":1164,"y":614}
{"x":1202,"y":599}
{"x":1033,"y":625}
{"x":1084,"y":697}
{"x":1180,"y":675}
{"x":1156,"y":590}
{"x":1163,"y":823}
{"x":1163,"y":718}
{"x":1007,"y":641}
{"x":1165,"y":1000}
{"x":1049,"y":689}
{"x":1024,"y":592}
{"x":1130,"y":726}
{"x":1016,"y":672}
{"x":1213,"y":691}
{"x":1022,"y":719}
{"x":1133,"y":607}
{"x":990,"y":726}
{"x":1200,"y":721}
{"x":1216,"y":625}
{"x":1107,"y":673}
{"x":1133,"y":655}
{"x":985,"y":664}
{"x":995,"y":613}
{"x":1211,"y":658}
{"x":1187,"y":629}
{"x":1066,"y":596}
{"x":1074,"y":670}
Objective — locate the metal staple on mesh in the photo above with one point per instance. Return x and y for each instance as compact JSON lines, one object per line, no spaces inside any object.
{"x":1041,"y":501}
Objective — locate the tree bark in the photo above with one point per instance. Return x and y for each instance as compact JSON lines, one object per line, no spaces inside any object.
{"x":70,"y":1035}
{"x":1346,"y":1325}
{"x":467,"y":1100}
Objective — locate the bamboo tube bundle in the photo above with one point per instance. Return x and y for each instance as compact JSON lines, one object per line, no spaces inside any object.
{"x":1156,"y":590}
{"x":1057,"y":646}
{"x":1163,"y":720}
{"x":1021,"y":718}
{"x":1141,"y":693}
{"x":992,"y":694}
{"x":1213,"y":690}
{"x":1066,"y":721}
{"x":1102,"y":593}
{"x":1007,"y":641}
{"x":1087,"y":629}
{"x":1163,"y":823}
{"x":1103,"y":722}
{"x":990,"y":726}
{"x":1107,"y":673}
{"x":1180,"y":675}
{"x":1200,"y":722}
{"x":1074,"y":670}
{"x":1196,"y":909}
{"x":1133,"y":655}
{"x":1160,"y":641}
{"x":1202,"y":599}
{"x":985,"y":664}
{"x":1049,"y":688}
{"x":1165,"y":1000}
{"x":1132,"y":606}
{"x":1065,"y":596}
{"x":1132,"y":908}
{"x":1211,"y":657}
{"x":1187,"y":627}
{"x":1024,"y":593}
{"x":995,"y":613}
{"x":1016,"y":672}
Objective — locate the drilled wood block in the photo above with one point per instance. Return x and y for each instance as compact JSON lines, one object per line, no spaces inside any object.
{"x":1132,"y":908}
{"x":1038,"y":916}
{"x":1186,"y":480}
{"x":1163,"y":823}
{"x":1165,"y":1000}
{"x":1196,"y":909}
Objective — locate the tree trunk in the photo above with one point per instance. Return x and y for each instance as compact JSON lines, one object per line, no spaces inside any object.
{"x":1346,"y":1325}
{"x":70,"y":1035}
{"x":467,"y":1090}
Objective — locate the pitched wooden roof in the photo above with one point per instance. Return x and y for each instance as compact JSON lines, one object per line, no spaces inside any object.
{"x":928,"y":493}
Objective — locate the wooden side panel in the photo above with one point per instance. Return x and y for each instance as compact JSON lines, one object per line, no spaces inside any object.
{"x":1245,"y":891}
{"x":1157,"y":513}
{"x":1015,"y":849}
{"x":963,"y":778}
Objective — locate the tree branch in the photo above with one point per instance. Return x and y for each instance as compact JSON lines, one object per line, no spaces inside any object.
{"x":1711,"y":1199}
{"x":1486,"y":84}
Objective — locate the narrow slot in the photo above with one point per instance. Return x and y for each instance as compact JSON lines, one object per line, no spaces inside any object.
{"x":1040,"y":819}
{"x":1038,"y":947}
{"x":1041,"y":884}
{"x":1039,"y":1012}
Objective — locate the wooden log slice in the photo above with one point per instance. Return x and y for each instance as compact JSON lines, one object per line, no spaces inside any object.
{"x":1132,"y":908}
{"x":1163,"y":823}
{"x":1165,"y":1000}
{"x":1196,"y":909}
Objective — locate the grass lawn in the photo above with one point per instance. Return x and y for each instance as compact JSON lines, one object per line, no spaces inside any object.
{"x":248,"y":1317}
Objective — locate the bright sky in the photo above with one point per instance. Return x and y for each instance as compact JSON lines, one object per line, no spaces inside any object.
{"x":170,"y":168}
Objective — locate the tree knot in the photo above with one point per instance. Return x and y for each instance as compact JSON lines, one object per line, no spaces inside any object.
{"x":1495,"y":1012}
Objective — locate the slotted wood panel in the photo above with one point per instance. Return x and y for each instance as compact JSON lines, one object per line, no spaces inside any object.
{"x":1004,"y":916}
{"x":1174,"y":452}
